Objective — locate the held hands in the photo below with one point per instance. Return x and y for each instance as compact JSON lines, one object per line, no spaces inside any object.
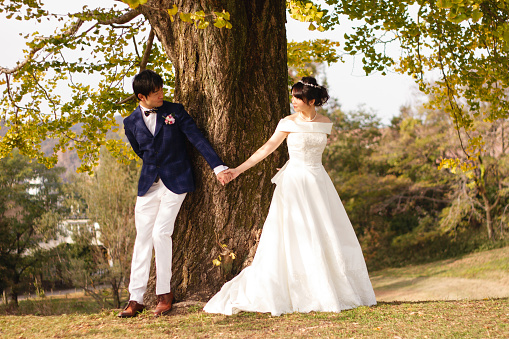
{"x":233,"y":172}
{"x":228,"y":175}
{"x":223,"y":177}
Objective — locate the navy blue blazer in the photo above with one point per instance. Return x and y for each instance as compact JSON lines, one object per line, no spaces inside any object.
{"x":164,"y":153}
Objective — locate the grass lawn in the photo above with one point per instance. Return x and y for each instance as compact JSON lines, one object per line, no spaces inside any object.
{"x":489,"y":265}
{"x":428,"y":319}
{"x":76,"y":315}
{"x":475,"y":276}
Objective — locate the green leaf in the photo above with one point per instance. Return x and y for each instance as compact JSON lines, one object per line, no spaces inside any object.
{"x":476,"y":15}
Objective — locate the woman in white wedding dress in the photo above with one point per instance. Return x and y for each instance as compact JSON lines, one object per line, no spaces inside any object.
{"x":308,"y":257}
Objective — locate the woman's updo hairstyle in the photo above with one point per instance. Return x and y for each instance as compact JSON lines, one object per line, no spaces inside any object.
{"x":307,"y":89}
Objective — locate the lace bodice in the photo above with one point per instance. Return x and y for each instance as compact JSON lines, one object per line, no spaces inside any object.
{"x":306,"y":140}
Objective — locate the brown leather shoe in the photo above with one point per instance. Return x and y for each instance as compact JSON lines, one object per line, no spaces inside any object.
{"x":131,"y":310}
{"x":164,"y":304}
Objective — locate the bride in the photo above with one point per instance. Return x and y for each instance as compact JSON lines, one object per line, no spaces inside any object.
{"x":308,"y":257}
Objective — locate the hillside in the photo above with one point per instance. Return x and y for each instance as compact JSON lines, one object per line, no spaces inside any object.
{"x":69,"y":159}
{"x":475,"y":276}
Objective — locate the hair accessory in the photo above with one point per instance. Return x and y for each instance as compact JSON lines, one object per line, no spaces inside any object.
{"x":315,"y":86}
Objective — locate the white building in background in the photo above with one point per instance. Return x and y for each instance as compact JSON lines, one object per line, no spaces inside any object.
{"x":34,"y":187}
{"x":66,"y":229}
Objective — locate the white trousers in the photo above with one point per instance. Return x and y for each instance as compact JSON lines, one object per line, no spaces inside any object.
{"x":155,"y":215}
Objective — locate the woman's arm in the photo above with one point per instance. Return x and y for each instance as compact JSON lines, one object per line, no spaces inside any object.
{"x":270,"y":146}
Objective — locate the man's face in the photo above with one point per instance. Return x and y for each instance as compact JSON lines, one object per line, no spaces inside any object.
{"x":153,"y":100}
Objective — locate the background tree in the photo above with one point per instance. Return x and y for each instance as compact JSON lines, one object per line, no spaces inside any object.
{"x":403,"y":209}
{"x":29,"y":216}
{"x":482,"y":193}
{"x":106,"y":241}
{"x":458,"y":53}
{"x":465,"y":42}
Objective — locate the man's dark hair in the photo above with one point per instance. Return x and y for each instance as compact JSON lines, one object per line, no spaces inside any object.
{"x":146,"y":82}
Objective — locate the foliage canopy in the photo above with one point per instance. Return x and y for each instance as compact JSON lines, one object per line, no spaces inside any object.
{"x":77,"y":76}
{"x":457,"y":51}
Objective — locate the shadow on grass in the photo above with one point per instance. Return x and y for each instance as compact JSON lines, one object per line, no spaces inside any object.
{"x":401,"y":284}
{"x":52,"y":306}
{"x":84,"y":305}
{"x":424,"y":302}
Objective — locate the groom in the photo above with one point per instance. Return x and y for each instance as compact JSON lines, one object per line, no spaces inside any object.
{"x":157,"y":131}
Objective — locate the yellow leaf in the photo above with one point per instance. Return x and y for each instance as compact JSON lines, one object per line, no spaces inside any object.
{"x":173,"y":10}
{"x":186,"y":17}
{"x":220,"y":23}
{"x":202,"y":24}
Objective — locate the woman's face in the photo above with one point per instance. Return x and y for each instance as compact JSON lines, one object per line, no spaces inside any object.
{"x":299,"y":105}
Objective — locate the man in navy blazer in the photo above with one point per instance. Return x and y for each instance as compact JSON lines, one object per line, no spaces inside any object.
{"x":157,"y":131}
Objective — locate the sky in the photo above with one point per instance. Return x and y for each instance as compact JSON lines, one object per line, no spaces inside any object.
{"x":384,"y":95}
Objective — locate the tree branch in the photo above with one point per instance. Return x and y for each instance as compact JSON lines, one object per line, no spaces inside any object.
{"x":143,"y":63}
{"x":148,"y":50}
{"x":452,"y":102}
{"x":71,"y":31}
{"x":123,"y":19}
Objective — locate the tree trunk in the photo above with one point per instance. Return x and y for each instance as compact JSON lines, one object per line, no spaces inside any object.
{"x":234,"y":83}
{"x":487,"y":209}
{"x":15,"y":291}
{"x":14,"y":299}
{"x":115,"y":291}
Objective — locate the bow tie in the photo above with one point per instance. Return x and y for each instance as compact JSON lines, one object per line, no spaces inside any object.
{"x":149,"y":111}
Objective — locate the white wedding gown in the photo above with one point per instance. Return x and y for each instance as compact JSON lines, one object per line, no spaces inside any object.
{"x":308,"y":257}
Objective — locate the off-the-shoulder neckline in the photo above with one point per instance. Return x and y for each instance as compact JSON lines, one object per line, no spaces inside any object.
{"x":307,"y":122}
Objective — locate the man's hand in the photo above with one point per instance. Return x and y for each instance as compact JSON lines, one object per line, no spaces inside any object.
{"x":233,"y":173}
{"x":224,"y":177}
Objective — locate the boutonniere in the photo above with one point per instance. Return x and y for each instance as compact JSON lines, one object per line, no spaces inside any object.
{"x":169,"y":119}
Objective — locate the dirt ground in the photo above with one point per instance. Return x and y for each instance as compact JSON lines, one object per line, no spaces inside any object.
{"x":437,"y":288}
{"x":474,"y":276}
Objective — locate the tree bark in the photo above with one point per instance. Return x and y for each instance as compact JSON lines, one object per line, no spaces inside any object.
{"x":115,"y":291}
{"x":487,"y":209}
{"x":15,"y":290}
{"x":234,"y":83}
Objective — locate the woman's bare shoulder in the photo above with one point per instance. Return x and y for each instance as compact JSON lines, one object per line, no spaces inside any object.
{"x":322,"y":118}
{"x":290,"y":117}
